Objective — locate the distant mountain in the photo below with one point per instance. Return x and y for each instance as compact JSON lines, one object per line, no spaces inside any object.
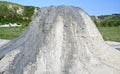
{"x":16,"y":13}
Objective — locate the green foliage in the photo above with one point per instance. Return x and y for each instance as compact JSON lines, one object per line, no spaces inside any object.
{"x":107,"y":20}
{"x":28,"y":11}
{"x":8,"y":13}
{"x":5,"y":8}
{"x":109,"y":23}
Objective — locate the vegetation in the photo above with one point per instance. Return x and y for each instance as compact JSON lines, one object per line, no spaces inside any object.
{"x":110,"y":33}
{"x":109,"y":23}
{"x":9,"y":14}
{"x":10,"y":32}
{"x":15,"y":13}
{"x":109,"y":17}
{"x":107,"y":20}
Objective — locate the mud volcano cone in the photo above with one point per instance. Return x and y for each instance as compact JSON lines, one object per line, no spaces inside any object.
{"x":59,"y":40}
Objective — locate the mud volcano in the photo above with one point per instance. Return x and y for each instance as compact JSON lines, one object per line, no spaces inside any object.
{"x":59,"y":40}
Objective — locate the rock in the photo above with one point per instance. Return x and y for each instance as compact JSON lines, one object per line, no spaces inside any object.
{"x":113,"y":44}
{"x":3,"y":41}
{"x":11,"y":25}
{"x":60,"y":40}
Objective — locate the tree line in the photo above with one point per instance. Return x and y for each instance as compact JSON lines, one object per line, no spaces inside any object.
{"x":108,"y":23}
{"x":107,"y":20}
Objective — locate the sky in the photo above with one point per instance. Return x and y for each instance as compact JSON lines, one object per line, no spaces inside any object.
{"x":92,"y":7}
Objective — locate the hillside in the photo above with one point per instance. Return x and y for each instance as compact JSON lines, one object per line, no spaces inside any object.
{"x":110,"y":17}
{"x":16,"y":13}
{"x":112,"y":20}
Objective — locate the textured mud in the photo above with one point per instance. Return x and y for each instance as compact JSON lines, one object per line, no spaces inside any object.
{"x":59,"y":40}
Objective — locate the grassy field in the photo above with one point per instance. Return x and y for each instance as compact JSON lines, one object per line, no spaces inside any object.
{"x":10,"y":32}
{"x":108,"y":33}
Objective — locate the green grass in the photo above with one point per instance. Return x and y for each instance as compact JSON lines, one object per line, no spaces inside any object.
{"x":110,"y":33}
{"x":10,"y":32}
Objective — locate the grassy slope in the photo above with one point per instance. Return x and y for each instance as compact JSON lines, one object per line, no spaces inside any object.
{"x":12,"y":16}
